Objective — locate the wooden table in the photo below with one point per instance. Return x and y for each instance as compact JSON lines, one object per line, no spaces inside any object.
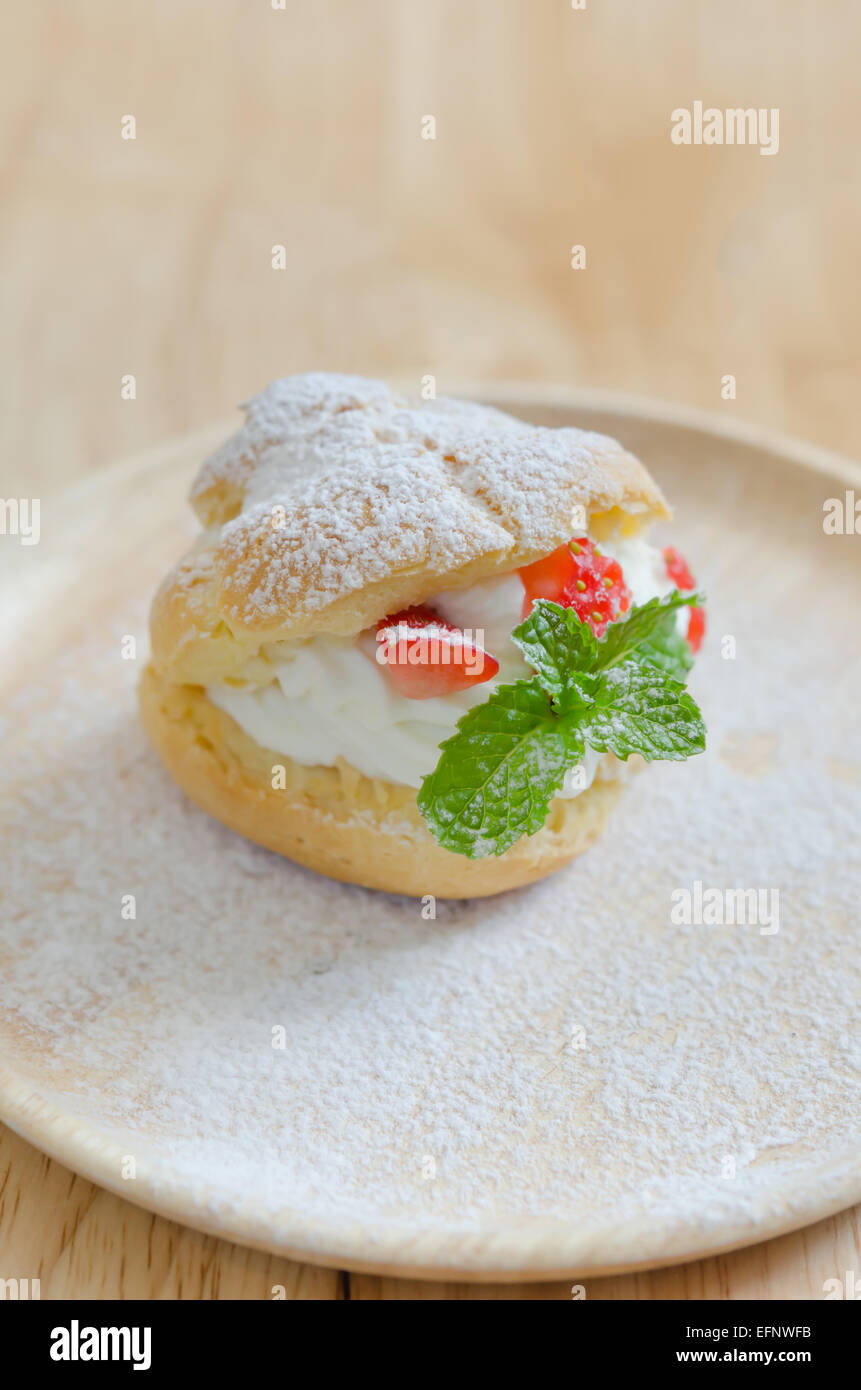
{"x":258,"y":127}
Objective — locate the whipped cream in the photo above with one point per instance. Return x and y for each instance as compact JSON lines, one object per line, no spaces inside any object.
{"x":330,"y":699}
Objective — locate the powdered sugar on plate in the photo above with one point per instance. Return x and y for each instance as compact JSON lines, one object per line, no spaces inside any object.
{"x":566,"y":1057}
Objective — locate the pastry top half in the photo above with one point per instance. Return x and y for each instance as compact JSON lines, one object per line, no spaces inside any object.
{"x":338,"y":502}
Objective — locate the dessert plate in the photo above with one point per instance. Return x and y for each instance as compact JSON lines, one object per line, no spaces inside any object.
{"x":595,"y":1074}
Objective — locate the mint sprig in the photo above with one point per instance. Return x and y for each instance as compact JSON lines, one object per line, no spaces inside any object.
{"x":499,"y":772}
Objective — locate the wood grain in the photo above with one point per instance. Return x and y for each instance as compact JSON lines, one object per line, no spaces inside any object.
{"x":302,"y":128}
{"x":407,"y":257}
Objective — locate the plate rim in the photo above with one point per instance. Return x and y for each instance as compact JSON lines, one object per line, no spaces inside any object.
{"x":88,"y":1151}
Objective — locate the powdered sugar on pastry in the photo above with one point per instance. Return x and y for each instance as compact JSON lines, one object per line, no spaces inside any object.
{"x":338,"y":501}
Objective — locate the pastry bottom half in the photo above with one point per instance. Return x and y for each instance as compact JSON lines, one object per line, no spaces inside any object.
{"x":337,"y":821}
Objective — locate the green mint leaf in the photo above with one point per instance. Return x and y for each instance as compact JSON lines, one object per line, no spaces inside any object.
{"x":639,"y":709}
{"x":624,"y":694}
{"x":556,"y":642}
{"x":498,"y":774}
{"x":668,"y":649}
{"x":578,"y":695}
{"x":623,"y":638}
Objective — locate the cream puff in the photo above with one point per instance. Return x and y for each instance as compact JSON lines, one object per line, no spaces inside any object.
{"x":415,"y":646}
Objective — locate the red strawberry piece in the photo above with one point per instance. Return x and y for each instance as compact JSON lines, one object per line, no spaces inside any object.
{"x":427,"y":657}
{"x":679,"y":572}
{"x":417,"y":617}
{"x":578,"y":576}
{"x":696,"y":628}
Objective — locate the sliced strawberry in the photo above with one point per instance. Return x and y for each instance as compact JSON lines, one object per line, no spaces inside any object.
{"x":550,"y":576}
{"x":696,"y":628}
{"x":679,"y":572}
{"x":427,"y":657}
{"x":578,"y":576}
{"x":417,"y":617}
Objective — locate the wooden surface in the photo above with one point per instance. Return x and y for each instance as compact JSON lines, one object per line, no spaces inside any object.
{"x":258,"y":127}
